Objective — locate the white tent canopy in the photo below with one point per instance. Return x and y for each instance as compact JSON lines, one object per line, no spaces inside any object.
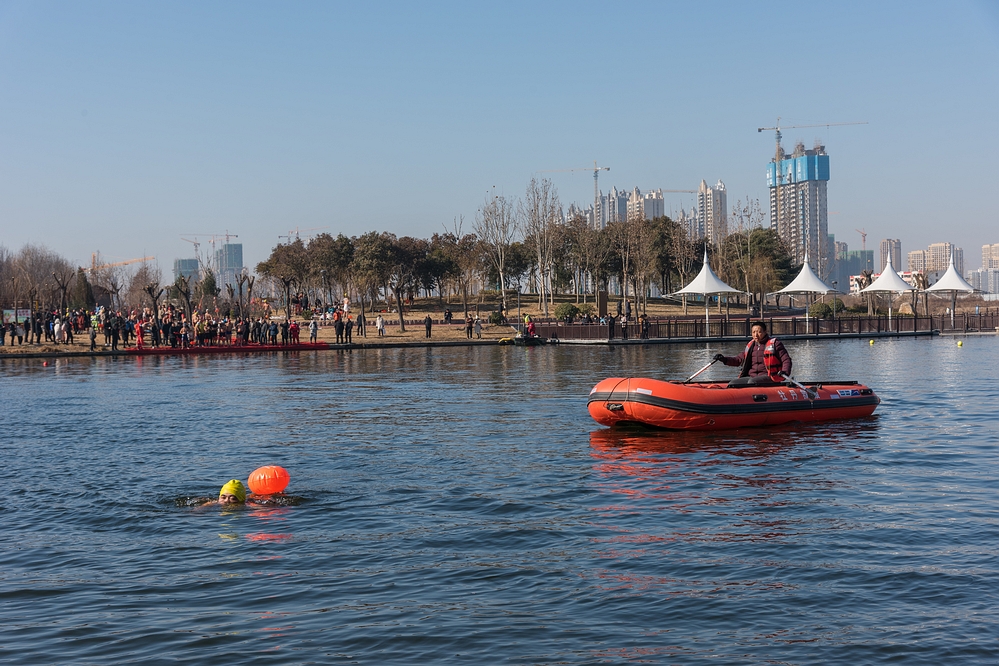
{"x":807,"y":282}
{"x":951,"y":281}
{"x":707,"y":284}
{"x":889,"y":282}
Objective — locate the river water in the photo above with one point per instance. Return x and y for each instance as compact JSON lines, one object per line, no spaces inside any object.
{"x":460,"y":506}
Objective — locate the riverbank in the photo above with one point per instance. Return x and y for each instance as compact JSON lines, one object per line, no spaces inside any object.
{"x":442,"y":336}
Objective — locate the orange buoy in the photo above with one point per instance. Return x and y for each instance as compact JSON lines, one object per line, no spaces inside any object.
{"x":268,"y":480}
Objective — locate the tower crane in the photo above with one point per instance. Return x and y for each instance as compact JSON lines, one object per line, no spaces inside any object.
{"x":596,"y":174}
{"x":863,"y":238}
{"x":778,"y":154}
{"x":296,"y":233}
{"x":213,"y":239}
{"x":94,"y":266}
{"x":197,"y":253}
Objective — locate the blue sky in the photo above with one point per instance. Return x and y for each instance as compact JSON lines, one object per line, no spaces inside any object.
{"x":125,"y":125}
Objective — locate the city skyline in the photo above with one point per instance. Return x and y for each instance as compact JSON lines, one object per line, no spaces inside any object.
{"x":125,"y":128}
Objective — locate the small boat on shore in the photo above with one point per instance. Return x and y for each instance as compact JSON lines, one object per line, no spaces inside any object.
{"x":720,"y":406}
{"x":525,"y":341}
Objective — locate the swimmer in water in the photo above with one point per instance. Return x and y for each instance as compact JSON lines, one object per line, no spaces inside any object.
{"x":233,"y":492}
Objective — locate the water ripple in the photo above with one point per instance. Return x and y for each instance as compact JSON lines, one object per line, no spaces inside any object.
{"x":460,"y":505}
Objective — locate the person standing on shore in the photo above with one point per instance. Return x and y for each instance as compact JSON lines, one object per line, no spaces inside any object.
{"x":478,"y":328}
{"x":428,"y":323}
{"x":348,"y":330}
{"x":115,"y":332}
{"x":313,"y":330}
{"x":380,"y":325}
{"x":338,"y":328}
{"x":468,"y":326}
{"x":362,"y":324}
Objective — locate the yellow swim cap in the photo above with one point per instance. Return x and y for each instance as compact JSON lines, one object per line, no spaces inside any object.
{"x":234,"y":487}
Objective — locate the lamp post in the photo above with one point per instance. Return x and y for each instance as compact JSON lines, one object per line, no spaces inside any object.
{"x":326,"y":290}
{"x":835,"y":284}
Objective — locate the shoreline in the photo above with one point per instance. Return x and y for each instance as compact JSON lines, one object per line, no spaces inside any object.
{"x":419,"y":343}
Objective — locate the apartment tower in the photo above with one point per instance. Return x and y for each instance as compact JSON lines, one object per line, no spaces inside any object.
{"x":798,"y":208}
{"x":891,"y":247}
{"x":712,"y":218}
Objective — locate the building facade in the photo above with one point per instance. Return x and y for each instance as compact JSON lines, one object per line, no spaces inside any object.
{"x":229,"y":263}
{"x":915,"y":261}
{"x":187,"y":268}
{"x":990,"y":256}
{"x":798,"y":206}
{"x":645,"y":206}
{"x":985,"y":279}
{"x":688,"y":222}
{"x":891,"y":247}
{"x":611,"y":207}
{"x":712,"y":212}
{"x":848,"y":264}
{"x":938,"y":258}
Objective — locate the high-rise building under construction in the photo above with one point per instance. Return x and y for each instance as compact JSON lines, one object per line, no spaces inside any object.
{"x":798,"y":208}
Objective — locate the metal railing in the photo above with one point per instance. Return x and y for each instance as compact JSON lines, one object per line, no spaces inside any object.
{"x":721,"y":327}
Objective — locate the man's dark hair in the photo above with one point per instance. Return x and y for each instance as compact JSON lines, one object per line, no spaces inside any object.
{"x":761,"y":324}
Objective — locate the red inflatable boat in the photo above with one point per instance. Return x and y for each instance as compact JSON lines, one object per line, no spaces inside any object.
{"x":718,"y":406}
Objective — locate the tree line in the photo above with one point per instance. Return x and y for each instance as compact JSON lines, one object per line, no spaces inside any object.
{"x":512,"y":246}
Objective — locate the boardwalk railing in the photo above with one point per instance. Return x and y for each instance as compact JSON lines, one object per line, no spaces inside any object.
{"x":721,"y":327}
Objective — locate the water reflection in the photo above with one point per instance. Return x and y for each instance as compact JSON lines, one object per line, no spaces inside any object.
{"x":735,"y":486}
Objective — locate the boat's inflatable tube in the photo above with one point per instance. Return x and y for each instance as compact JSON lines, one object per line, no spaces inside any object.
{"x":716,"y":406}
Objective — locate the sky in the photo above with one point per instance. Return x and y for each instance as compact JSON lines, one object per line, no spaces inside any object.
{"x":126,"y":127}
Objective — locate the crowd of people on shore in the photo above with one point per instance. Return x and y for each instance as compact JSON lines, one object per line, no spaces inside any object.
{"x":171,"y":327}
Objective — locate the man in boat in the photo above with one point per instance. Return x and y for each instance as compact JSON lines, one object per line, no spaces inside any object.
{"x":765,"y":358}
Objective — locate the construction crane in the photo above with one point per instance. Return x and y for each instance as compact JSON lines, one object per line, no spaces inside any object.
{"x":94,"y":266}
{"x":296,"y":233}
{"x":596,"y":174}
{"x":863,"y":238}
{"x":779,"y":153}
{"x":213,"y":239}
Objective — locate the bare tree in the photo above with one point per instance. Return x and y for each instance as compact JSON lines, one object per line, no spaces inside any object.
{"x":625,"y":238}
{"x":464,"y":253}
{"x":541,"y":214}
{"x":588,"y":249}
{"x":496,"y":225}
{"x":64,"y":279}
{"x":136,"y":291}
{"x":863,"y":281}
{"x":684,"y":250}
{"x":922,"y":283}
{"x":155,"y":291}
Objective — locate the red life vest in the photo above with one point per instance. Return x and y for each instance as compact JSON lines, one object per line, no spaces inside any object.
{"x":771,"y":361}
